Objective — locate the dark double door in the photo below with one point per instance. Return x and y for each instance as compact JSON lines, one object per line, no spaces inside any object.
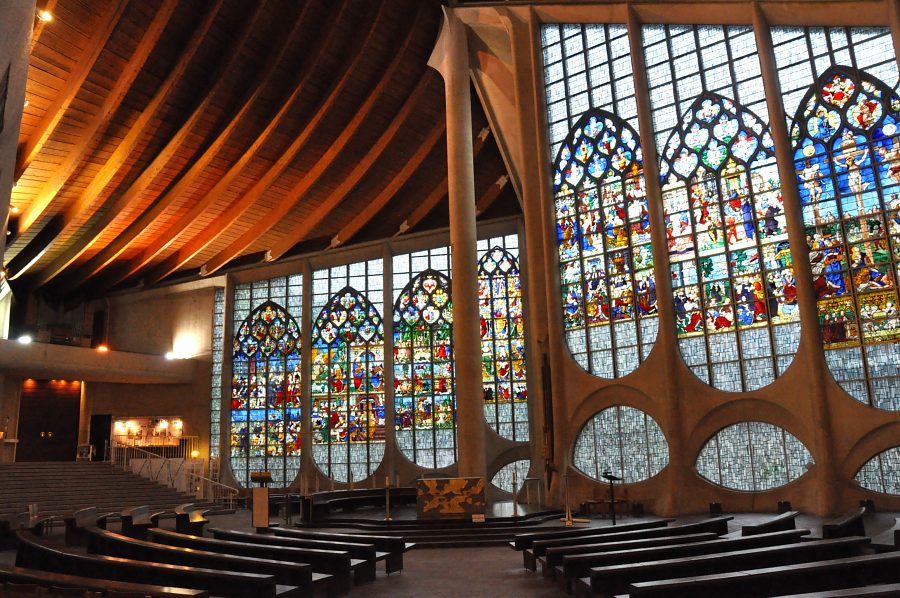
{"x":48,"y":420}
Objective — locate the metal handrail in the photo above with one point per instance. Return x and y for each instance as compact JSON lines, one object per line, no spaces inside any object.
{"x":122,"y":455}
{"x":209,"y":489}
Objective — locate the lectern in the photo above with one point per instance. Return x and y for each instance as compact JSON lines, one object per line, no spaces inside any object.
{"x":261,"y":499}
{"x":609,"y":477}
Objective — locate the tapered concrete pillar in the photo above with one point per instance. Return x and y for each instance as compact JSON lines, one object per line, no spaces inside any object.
{"x":450,"y":58}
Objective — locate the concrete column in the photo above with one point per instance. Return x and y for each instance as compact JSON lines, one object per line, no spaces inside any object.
{"x":809,"y":353}
{"x":450,"y":58}
{"x":84,"y":419}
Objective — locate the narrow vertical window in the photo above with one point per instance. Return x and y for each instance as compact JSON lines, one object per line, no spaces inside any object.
{"x":215,"y":390}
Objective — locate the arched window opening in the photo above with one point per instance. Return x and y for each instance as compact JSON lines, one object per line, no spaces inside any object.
{"x":348,"y":387}
{"x":503,"y":343}
{"x":503,"y":479}
{"x":882,"y":472}
{"x":603,"y":236}
{"x":265,"y":399}
{"x":847,"y":157}
{"x":753,"y":456}
{"x":424,"y":383}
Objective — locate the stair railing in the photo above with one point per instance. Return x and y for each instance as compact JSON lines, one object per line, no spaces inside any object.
{"x":171,"y":461}
{"x":210,"y":490}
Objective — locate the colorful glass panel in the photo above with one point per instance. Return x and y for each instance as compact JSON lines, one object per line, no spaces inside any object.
{"x":882,"y":472}
{"x":623,"y":441}
{"x":847,"y":158}
{"x":603,"y":225}
{"x":753,"y":456}
{"x":215,"y":388}
{"x":734,"y":290}
{"x":265,"y":402}
{"x":502,"y":338}
{"x":424,"y":384}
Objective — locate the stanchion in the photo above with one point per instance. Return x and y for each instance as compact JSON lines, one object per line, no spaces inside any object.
{"x":515,"y":482}
{"x":387,"y":498}
{"x":569,"y":520}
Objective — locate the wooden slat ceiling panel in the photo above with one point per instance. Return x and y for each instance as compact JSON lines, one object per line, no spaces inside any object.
{"x":168,"y":136}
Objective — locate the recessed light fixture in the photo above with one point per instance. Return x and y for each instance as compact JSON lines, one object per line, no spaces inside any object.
{"x":102,"y":348}
{"x":14,"y":209}
{"x":25,"y":339}
{"x":45,"y":16}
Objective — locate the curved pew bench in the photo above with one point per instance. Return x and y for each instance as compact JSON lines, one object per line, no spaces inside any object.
{"x":35,"y":554}
{"x":78,"y":522}
{"x":48,"y":579}
{"x":393,"y":546}
{"x":137,"y":520}
{"x":523,"y":541}
{"x":779,"y":523}
{"x":190,"y":519}
{"x":848,"y":524}
{"x":889,"y":539}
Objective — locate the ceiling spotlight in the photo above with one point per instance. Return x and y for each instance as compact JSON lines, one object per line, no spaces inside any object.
{"x":102,"y":348}
{"x":45,"y":16}
{"x":170,"y":355}
{"x":26,"y":104}
{"x":13,"y":209}
{"x":25,"y":339}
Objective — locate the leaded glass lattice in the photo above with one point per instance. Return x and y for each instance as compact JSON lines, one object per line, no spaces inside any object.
{"x":424,"y":384}
{"x":602,"y":220}
{"x":502,"y":337}
{"x":621,"y":440}
{"x":753,"y":456}
{"x":882,"y":472}
{"x":734,"y":290}
{"x":265,"y":399}
{"x":215,"y":385}
{"x":503,"y":479}
{"x":847,"y":158}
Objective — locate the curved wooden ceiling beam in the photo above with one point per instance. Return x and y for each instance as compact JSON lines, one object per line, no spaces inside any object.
{"x":349,"y":181}
{"x":57,"y":108}
{"x":491,"y":194}
{"x":39,"y":209}
{"x":375,"y":205}
{"x":106,"y":256}
{"x":424,"y":207}
{"x":125,"y":202}
{"x":230,"y":216}
{"x":41,"y":24}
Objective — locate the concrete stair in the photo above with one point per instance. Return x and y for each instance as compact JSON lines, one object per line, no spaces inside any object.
{"x":60,"y":488}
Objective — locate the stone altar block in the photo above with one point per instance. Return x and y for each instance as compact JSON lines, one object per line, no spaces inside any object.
{"x":449,"y":498}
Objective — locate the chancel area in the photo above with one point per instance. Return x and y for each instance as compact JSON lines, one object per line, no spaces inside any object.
{"x":299,"y":295}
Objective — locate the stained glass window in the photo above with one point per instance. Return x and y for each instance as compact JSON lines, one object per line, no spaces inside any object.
{"x":882,"y":472}
{"x":348,"y":398}
{"x":842,"y":85}
{"x":603,"y":225}
{"x":503,"y":479}
{"x":753,"y":456}
{"x":624,"y":441}
{"x":733,"y":282}
{"x":265,"y":399}
{"x":424,"y":384}
{"x":502,"y":337}
{"x":215,"y":387}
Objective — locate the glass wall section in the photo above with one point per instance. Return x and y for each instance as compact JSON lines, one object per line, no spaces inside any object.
{"x":502,"y":337}
{"x":840,"y":88}
{"x":734,"y":289}
{"x":503,"y":479}
{"x":882,"y":473}
{"x":348,"y":370}
{"x":753,"y":456}
{"x":623,"y":441}
{"x":215,"y":385}
{"x":603,"y":227}
{"x":265,"y":399}
{"x":424,"y":384}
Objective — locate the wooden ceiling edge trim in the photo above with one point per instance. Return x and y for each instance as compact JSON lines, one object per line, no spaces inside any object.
{"x":127,"y":200}
{"x":375,"y":205}
{"x":491,"y":194}
{"x":39,"y":209}
{"x":105,"y":257}
{"x":83,"y":66}
{"x":354,"y":176}
{"x":421,"y":211}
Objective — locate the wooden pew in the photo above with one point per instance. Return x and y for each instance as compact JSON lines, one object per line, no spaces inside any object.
{"x":112,"y":544}
{"x":320,"y":505}
{"x":782,"y":522}
{"x":848,"y":524}
{"x":818,"y":576}
{"x":49,"y":579}
{"x":889,"y":539}
{"x":78,"y":522}
{"x":33,"y":553}
{"x":577,"y":565}
{"x":523,"y":541}
{"x":365,"y":555}
{"x":614,"y":579}
{"x":889,"y":589}
{"x":716,"y":525}
{"x":392,"y":545}
{"x":337,"y":564}
{"x":137,"y":520}
{"x":190,"y":519}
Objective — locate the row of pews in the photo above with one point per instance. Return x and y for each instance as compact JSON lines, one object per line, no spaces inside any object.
{"x":146,"y":560}
{"x":657,"y":558}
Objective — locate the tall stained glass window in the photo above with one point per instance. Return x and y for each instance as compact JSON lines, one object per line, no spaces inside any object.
{"x":265,"y":395}
{"x":624,"y":441}
{"x":753,"y":456}
{"x":603,"y":226}
{"x":424,"y":383}
{"x":215,"y":387}
{"x":882,"y":472}
{"x":348,"y":371}
{"x":841,"y":88}
{"x":502,"y":337}
{"x":732,"y":276}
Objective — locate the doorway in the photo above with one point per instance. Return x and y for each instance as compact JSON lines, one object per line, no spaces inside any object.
{"x":48,"y":420}
{"x":101,"y":427}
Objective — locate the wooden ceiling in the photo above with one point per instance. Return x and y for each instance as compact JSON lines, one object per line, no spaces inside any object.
{"x":162,"y":139}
